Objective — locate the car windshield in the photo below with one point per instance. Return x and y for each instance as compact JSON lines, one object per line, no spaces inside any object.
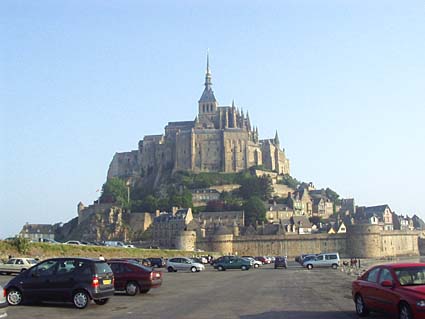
{"x":411,"y":276}
{"x":32,"y":261}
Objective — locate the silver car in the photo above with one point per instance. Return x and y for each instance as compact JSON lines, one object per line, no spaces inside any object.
{"x":323,"y":260}
{"x":17,"y":265}
{"x":3,"y":303}
{"x":183,"y":264}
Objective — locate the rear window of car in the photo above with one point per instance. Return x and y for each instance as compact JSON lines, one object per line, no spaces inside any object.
{"x":102,"y":268}
{"x":143,"y":267}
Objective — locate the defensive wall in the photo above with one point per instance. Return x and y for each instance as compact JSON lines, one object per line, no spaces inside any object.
{"x":363,"y":241}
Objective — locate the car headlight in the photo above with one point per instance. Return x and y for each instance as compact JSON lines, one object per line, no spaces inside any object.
{"x":420,"y":303}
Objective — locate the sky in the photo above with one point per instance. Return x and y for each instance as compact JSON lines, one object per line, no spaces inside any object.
{"x":342,"y":81}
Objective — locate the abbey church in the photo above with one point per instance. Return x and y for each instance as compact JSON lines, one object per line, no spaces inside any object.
{"x":219,"y":139}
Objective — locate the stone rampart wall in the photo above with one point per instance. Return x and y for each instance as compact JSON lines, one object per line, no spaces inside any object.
{"x":369,"y":244}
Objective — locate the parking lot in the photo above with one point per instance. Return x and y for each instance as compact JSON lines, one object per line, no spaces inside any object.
{"x":254,"y":294}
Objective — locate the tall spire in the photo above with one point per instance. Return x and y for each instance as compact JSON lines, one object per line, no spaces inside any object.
{"x":208,"y":82}
{"x":208,"y":94}
{"x":276,"y":139}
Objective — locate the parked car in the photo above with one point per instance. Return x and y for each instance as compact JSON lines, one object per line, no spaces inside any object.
{"x":133,"y":278}
{"x":3,"y":303}
{"x":322,"y":260}
{"x":184,"y":264}
{"x":157,"y":262}
{"x":254,"y":263}
{"x":231,"y":262}
{"x":280,"y":261}
{"x":395,"y":289}
{"x":76,"y":280}
{"x":118,"y":244}
{"x":299,"y":259}
{"x":73,"y":242}
{"x":264,"y":260}
{"x":17,"y":265}
{"x":48,"y":241}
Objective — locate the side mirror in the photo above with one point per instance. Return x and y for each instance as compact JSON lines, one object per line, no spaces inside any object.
{"x":387,"y":284}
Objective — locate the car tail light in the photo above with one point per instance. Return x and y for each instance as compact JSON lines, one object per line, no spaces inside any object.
{"x":155,"y":275}
{"x":4,"y":292}
{"x":95,"y":282}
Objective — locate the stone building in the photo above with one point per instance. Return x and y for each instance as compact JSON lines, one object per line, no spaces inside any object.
{"x":201,"y":196}
{"x":219,"y":139}
{"x":277,"y":212}
{"x":380,"y":215}
{"x":166,"y":226}
{"x":37,"y":232}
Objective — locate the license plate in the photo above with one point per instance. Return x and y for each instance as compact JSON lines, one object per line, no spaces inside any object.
{"x":107,"y":281}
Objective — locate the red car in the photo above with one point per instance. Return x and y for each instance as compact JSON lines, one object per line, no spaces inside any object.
{"x":263,"y":259}
{"x":133,"y":278}
{"x":395,"y":289}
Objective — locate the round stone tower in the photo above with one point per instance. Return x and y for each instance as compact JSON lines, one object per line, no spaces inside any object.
{"x":186,"y":240}
{"x":222,"y":241}
{"x":364,"y":240}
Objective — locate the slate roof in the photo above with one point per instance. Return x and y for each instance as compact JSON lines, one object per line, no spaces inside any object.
{"x":38,"y":229}
{"x":375,"y":210}
{"x":208,"y":95}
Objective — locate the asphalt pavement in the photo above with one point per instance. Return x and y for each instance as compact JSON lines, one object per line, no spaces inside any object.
{"x":264,"y":293}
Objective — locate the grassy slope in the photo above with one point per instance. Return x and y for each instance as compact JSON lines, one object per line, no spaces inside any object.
{"x":43,"y":251}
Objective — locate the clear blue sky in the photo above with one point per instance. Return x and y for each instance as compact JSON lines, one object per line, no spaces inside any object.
{"x":343,"y":82}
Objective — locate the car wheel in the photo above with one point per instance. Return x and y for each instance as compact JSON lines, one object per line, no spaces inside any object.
{"x":361,"y":309}
{"x":101,"y":302}
{"x":80,"y":299}
{"x":14,"y":297}
{"x":243,"y":267}
{"x":131,"y":288}
{"x":405,"y":312}
{"x":220,"y":268}
{"x":309,"y":266}
{"x":144,"y":290}
{"x":23,"y":269}
{"x":334,"y":266}
{"x":170,"y":269}
{"x":193,"y":269}
{"x":256,"y":266}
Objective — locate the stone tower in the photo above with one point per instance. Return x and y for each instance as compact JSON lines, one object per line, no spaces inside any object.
{"x":207,"y":104}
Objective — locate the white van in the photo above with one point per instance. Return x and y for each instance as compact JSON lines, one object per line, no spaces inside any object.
{"x":323,"y":260}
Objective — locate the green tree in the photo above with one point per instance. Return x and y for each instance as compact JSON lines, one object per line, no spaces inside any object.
{"x":290,"y":181}
{"x":115,"y":191}
{"x":255,"y":210}
{"x":256,"y":186}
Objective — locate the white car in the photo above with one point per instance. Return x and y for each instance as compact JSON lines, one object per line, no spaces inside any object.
{"x":74,"y":242}
{"x":183,"y":264}
{"x":16,"y":265}
{"x":254,"y":263}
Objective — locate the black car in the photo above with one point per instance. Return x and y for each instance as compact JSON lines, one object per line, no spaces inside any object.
{"x":280,"y":261}
{"x":76,"y":280}
{"x":157,"y":262}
